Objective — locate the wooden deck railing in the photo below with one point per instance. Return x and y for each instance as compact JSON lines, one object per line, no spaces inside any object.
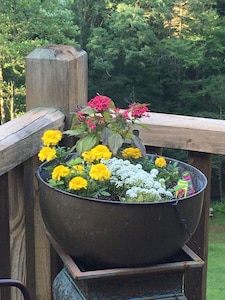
{"x":56,"y":83}
{"x":22,"y":249}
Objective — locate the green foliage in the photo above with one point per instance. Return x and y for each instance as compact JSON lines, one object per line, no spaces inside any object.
{"x":169,"y":54}
{"x":216,"y":269}
{"x":216,"y":272}
{"x":219,"y":207}
{"x":26,"y":25}
{"x":119,"y":51}
{"x":164,"y":53}
{"x":101,"y":121}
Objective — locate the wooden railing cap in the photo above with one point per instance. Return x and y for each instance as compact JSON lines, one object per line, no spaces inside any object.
{"x":184,"y":132}
{"x":20,"y":138}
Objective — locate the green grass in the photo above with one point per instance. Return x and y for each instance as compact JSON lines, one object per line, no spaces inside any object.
{"x":216,"y":259}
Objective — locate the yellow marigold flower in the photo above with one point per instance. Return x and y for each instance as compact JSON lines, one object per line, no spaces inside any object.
{"x":131,"y":153}
{"x":51,"y":137}
{"x":47,"y":153}
{"x":101,"y":151}
{"x":60,"y":171}
{"x":99,"y":172}
{"x":79,"y":168}
{"x":78,"y":183}
{"x":88,"y":157}
{"x":160,"y":162}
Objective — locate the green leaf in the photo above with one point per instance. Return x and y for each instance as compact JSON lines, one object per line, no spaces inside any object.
{"x":55,"y":183}
{"x":112,"y":105}
{"x":88,"y":110}
{"x":144,"y":126}
{"x":75,"y":121}
{"x":115,"y":142}
{"x":76,"y":161}
{"x":76,"y":131}
{"x":86,"y":143}
{"x":106,"y":133}
{"x":138,"y":143}
{"x":105,"y":193}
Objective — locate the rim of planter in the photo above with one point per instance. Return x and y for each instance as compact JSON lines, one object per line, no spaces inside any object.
{"x":172,"y":200}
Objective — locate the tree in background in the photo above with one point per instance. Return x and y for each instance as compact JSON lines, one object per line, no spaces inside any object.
{"x":120,"y":52}
{"x":26,"y":25}
{"x":160,"y":52}
{"x":167,"y":53}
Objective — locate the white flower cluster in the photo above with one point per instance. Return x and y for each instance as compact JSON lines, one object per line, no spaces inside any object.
{"x":139,"y":185}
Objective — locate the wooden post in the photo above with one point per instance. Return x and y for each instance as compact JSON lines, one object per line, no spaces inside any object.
{"x":195,"y":281}
{"x":17,"y":228}
{"x":5,"y":238}
{"x":56,"y":77}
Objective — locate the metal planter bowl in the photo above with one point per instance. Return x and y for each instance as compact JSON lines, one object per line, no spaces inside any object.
{"x":104,"y":234}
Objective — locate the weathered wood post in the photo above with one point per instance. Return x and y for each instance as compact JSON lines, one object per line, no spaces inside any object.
{"x":56,"y":76}
{"x":195,"y":282}
{"x":19,"y":143}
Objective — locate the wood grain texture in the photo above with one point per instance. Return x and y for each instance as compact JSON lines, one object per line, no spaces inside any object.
{"x":20,"y":139}
{"x":184,"y":132}
{"x":41,"y":254}
{"x":17,"y":228}
{"x":29,"y":168}
{"x":195,"y":281}
{"x":4,"y":235}
{"x":56,"y":76}
{"x":42,"y":257}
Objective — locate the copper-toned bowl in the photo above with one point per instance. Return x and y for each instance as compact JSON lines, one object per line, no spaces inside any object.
{"x":104,"y":234}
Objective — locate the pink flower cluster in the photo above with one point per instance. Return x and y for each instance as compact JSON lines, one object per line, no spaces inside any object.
{"x":138,"y":110}
{"x":91,"y":124}
{"x":105,"y":113}
{"x":100,"y":103}
{"x":101,"y":122}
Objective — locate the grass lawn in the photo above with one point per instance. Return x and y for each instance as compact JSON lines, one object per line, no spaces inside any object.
{"x":216,"y":260}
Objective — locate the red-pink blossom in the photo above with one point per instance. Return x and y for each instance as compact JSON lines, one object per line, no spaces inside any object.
{"x":117,"y":110}
{"x":81,"y":115}
{"x":126,"y":114}
{"x":138,"y":110}
{"x":92,"y":126}
{"x":100,"y":103}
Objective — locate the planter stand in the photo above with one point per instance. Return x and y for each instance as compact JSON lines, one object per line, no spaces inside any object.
{"x":162,"y":281}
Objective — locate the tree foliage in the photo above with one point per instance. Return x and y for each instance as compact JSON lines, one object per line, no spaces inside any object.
{"x":163,"y":52}
{"x":24,"y":26}
{"x":168,"y":53}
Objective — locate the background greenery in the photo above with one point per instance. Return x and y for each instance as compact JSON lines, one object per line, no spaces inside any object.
{"x":216,"y":266}
{"x":167,"y":53}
